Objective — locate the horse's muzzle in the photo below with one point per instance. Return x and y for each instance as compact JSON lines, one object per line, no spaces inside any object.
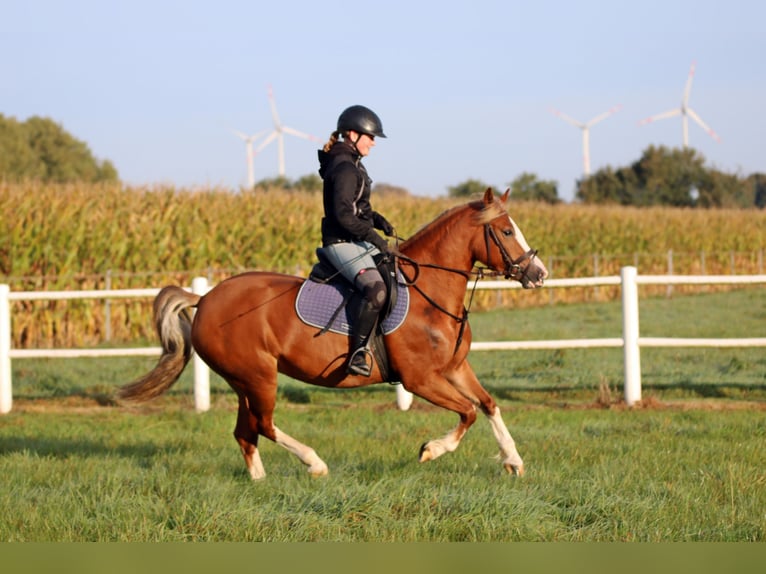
{"x":534,"y":275}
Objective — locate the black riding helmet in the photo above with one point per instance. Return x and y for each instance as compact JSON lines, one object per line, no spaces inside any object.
{"x":361,"y":120}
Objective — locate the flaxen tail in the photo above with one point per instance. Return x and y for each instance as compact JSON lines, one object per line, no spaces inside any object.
{"x":173,"y":319}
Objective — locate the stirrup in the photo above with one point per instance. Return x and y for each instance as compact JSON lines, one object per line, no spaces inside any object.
{"x":358,"y":364}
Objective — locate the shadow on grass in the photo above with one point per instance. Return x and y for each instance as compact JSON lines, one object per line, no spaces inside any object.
{"x":66,"y":447}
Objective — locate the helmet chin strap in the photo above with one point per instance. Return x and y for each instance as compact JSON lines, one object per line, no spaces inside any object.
{"x":354,"y":142}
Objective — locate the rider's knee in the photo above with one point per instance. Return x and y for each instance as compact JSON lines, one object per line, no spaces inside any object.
{"x":371,"y":284}
{"x":376,"y":294}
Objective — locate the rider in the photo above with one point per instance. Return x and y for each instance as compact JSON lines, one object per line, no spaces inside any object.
{"x":348,"y":227}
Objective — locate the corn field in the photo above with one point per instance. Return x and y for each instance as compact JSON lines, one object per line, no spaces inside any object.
{"x":88,"y":236}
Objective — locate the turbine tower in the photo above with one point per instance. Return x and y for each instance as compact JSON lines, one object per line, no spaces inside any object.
{"x":585,"y":127}
{"x":249,"y":140}
{"x":685,"y":112}
{"x":278,"y":134}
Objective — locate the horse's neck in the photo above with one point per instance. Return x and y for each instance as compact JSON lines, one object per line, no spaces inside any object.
{"x":445,"y":246}
{"x":443,"y":273}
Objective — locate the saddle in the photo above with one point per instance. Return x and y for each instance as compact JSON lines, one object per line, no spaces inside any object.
{"x":329,"y":302}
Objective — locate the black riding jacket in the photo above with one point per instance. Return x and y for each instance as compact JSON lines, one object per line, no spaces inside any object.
{"x":348,"y":215}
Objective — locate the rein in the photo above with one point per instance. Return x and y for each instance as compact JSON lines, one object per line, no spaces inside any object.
{"x":512,"y":270}
{"x":461,"y":320}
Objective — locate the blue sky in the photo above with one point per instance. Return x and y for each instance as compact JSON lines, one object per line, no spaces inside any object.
{"x":464,"y":89}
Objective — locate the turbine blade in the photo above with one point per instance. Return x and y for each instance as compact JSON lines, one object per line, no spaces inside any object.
{"x":273,"y":104}
{"x":246,"y":137}
{"x":662,"y":116}
{"x":688,"y":87}
{"x":605,"y":115}
{"x":267,"y":141}
{"x":566,"y":118}
{"x":702,"y":124}
{"x":296,"y":133}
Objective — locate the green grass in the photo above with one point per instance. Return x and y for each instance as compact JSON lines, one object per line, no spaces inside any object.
{"x":687,"y":466}
{"x":172,"y":475}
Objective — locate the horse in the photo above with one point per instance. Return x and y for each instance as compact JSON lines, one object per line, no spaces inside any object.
{"x":246,"y":330}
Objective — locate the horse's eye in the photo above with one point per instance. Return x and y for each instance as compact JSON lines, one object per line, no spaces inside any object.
{"x":507,"y":232}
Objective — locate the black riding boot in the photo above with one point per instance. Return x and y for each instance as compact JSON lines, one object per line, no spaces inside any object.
{"x":360,"y":360}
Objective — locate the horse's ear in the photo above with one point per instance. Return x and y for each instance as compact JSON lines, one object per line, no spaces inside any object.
{"x":489,"y":196}
{"x":504,"y":198}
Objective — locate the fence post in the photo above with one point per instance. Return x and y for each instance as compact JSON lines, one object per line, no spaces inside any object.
{"x":632,"y":357}
{"x":6,"y":395}
{"x":201,"y":370}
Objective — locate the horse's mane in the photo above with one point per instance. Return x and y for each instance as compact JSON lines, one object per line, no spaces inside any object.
{"x":481,"y":213}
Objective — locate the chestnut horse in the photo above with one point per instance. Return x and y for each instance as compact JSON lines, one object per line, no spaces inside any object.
{"x":246,"y":329}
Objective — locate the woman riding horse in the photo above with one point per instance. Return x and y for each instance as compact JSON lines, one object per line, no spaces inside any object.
{"x":348,"y":228}
{"x":247,"y":330}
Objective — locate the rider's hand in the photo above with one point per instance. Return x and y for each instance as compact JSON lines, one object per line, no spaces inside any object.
{"x":382,"y":223}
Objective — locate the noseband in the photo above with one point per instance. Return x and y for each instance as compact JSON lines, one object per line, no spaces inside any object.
{"x":512,"y":267}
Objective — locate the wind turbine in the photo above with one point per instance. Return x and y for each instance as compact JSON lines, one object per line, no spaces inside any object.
{"x":249,"y":140}
{"x":685,"y":111}
{"x":585,"y":127}
{"x":278,"y":134}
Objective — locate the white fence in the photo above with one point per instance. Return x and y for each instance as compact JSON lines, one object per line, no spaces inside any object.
{"x":630,"y":341}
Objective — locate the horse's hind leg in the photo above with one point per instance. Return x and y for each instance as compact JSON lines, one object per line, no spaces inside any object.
{"x":246,"y":434}
{"x":259,"y":404}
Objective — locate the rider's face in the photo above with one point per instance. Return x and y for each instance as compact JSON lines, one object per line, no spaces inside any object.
{"x":364,"y":143}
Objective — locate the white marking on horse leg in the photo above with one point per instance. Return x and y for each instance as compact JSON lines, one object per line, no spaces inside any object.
{"x":255,"y":465}
{"x":305,"y":454}
{"x":253,"y":461}
{"x":437,"y":447}
{"x":508,"y":453}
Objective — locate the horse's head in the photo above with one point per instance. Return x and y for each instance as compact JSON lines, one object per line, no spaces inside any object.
{"x":507,"y":251}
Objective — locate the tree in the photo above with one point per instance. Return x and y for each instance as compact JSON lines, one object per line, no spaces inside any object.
{"x":719,"y":189}
{"x":41,"y":149}
{"x":469,"y":188}
{"x":661,"y":177}
{"x":606,"y":186}
{"x":526,"y":187}
{"x":381,"y":189}
{"x":310,"y":182}
{"x":272,"y":183}
{"x":757,"y":183}
{"x":668,"y":177}
{"x":17,"y":160}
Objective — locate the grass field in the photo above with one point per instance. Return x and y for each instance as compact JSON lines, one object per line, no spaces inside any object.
{"x":687,"y":465}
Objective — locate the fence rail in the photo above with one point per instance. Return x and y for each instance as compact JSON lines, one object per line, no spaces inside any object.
{"x":630,"y":341}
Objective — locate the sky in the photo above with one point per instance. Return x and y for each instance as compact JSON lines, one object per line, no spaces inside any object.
{"x":464,"y":89}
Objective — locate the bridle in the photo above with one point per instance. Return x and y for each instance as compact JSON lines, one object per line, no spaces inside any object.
{"x":512,"y":270}
{"x":512,"y":267}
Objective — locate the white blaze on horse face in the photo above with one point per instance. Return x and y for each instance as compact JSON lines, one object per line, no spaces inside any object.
{"x":519,"y":235}
{"x":542,"y":272}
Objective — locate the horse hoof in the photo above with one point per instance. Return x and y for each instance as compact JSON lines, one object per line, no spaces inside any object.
{"x":425,"y":454}
{"x":514,"y":469}
{"x":317,"y":472}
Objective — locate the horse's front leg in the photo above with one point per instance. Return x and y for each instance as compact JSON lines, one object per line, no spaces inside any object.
{"x":448,"y":443}
{"x":437,"y":390}
{"x":508,"y":454}
{"x":465,"y":381}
